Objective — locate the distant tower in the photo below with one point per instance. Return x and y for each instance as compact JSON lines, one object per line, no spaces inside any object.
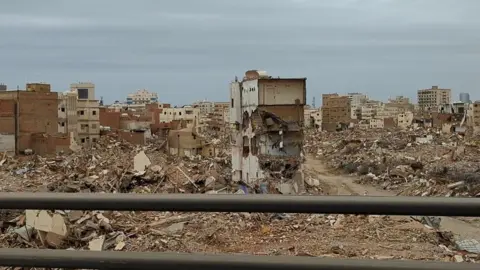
{"x":313,"y":103}
{"x":101,"y":101}
{"x":465,"y":97}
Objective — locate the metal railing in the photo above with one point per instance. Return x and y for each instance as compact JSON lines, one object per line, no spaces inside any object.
{"x":225,"y":203}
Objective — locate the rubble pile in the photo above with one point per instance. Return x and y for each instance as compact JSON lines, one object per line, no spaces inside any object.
{"x":112,"y":165}
{"x":374,"y":237}
{"x":418,"y":162}
{"x":115,"y":166}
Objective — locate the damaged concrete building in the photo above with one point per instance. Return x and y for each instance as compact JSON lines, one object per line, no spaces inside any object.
{"x":267,"y":118}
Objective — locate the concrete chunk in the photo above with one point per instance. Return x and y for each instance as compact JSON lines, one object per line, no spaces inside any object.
{"x":141,"y":162}
{"x":43,"y":221}
{"x":96,"y":244}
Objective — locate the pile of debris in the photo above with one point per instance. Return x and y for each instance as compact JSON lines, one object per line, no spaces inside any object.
{"x":113,"y":165}
{"x":415,"y":162}
{"x":374,"y":237}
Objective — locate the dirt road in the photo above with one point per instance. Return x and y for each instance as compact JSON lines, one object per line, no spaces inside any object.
{"x":344,"y":185}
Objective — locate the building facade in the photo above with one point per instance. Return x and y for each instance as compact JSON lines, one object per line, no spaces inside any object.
{"x":376,"y":123}
{"x":336,"y":110}
{"x":142,"y":96}
{"x":204,"y":106}
{"x":405,"y":120}
{"x":473,"y":114}
{"x":67,"y":114}
{"x":222,"y":111}
{"x":267,"y":118}
{"x":430,"y":99}
{"x":465,"y":97}
{"x":356,"y":102}
{"x":188,"y":114}
{"x":313,"y":119}
{"x":88,"y":113}
{"x":29,"y":121}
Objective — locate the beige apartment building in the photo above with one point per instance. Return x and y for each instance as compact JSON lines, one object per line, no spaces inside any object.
{"x":222,"y":111}
{"x":88,"y":113}
{"x":67,"y":113}
{"x":430,"y":99}
{"x":189,"y":114}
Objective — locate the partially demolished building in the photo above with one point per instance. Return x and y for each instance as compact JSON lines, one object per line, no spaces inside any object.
{"x":267,"y":126}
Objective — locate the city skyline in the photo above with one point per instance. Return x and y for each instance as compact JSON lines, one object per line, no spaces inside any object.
{"x":380,"y":48}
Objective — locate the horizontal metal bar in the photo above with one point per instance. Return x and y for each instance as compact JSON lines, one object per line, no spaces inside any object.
{"x":165,"y":261}
{"x":431,"y":206}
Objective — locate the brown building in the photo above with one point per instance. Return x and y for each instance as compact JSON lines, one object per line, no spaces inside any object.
{"x":35,"y":115}
{"x":430,"y":99}
{"x":38,"y":87}
{"x":335,"y":111}
{"x":109,"y":118}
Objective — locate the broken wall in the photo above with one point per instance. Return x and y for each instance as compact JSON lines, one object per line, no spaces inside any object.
{"x":251,"y":171}
{"x":288,"y":144}
{"x":7,"y":143}
{"x":137,"y":138}
{"x":249,"y":96}
{"x":282,"y":91}
{"x":288,"y":113}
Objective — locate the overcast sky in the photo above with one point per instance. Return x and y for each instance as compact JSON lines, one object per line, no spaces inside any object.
{"x":188,"y":50}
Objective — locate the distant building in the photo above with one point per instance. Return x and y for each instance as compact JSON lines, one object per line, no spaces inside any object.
{"x":465,"y":97}
{"x":370,"y":109}
{"x":29,"y":121}
{"x":356,"y":102}
{"x":205,"y":106}
{"x":222,"y":111}
{"x":313,"y":118}
{"x":68,"y":114}
{"x":88,"y":113}
{"x":142,"y":97}
{"x":336,"y":111}
{"x":430,"y":99}
{"x":38,"y":87}
{"x":187,"y":114}
{"x":454,"y":108}
{"x":405,"y":120}
{"x":376,"y":123}
{"x":3,"y":87}
{"x":401,"y":104}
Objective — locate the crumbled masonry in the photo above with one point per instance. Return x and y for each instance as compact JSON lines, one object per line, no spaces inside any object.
{"x":442,"y":166}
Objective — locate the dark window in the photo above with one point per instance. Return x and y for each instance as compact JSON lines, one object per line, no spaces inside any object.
{"x":82,"y":140}
{"x":94,"y":139}
{"x":62,"y":109}
{"x":94,"y":112}
{"x":63,"y":124}
{"x":82,"y":93}
{"x":232,"y":103}
{"x":82,"y":112}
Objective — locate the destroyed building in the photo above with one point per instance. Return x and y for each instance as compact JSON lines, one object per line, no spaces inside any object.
{"x":267,"y":116}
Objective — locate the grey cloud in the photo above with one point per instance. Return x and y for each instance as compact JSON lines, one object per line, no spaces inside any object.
{"x":190,"y":49}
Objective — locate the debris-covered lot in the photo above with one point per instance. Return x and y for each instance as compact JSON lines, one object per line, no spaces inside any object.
{"x":114,"y":166}
{"x":412,"y":163}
